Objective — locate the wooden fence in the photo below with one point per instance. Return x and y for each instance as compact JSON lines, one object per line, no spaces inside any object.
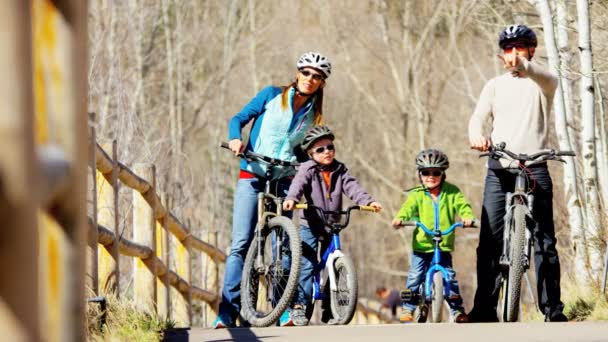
{"x":43,"y":169}
{"x":160,"y":241}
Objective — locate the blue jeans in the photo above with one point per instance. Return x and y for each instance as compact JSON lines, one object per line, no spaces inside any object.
{"x":420,"y":263}
{"x":309,"y":264}
{"x":546,"y":260}
{"x":244,"y":219}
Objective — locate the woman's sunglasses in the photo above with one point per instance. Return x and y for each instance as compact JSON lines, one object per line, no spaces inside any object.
{"x":322,"y":149}
{"x":315,"y":76}
{"x":434,"y":173}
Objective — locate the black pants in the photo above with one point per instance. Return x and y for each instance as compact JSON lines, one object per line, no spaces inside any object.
{"x":546,"y":260}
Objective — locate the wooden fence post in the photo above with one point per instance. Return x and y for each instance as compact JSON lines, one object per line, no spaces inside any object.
{"x":212,"y":278}
{"x":107,"y":191}
{"x":144,"y":223}
{"x":92,"y":264}
{"x":163,"y":307}
{"x":19,"y":233}
{"x":181,"y":257}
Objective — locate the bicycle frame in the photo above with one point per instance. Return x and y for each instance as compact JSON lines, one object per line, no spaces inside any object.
{"x":333,"y":251}
{"x":436,"y":262}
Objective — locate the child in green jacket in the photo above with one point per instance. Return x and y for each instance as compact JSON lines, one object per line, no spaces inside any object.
{"x":420,"y":206}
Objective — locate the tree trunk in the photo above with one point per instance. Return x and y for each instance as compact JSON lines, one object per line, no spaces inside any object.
{"x":588,"y":138}
{"x":575,"y":215}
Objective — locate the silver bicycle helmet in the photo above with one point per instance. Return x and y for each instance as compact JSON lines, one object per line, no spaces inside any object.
{"x":315,"y":134}
{"x":315,"y":60}
{"x":517,"y":33}
{"x":432,"y":158}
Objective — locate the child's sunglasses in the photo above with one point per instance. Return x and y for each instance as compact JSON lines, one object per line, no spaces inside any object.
{"x":322,"y":149}
{"x":434,"y":173}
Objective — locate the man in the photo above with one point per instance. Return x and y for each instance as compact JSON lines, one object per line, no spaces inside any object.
{"x":518,"y":103}
{"x":389,"y":299}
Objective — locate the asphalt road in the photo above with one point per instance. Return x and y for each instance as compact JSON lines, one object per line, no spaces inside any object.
{"x":492,"y":332}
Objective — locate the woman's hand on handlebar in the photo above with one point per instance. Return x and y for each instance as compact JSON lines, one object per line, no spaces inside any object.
{"x":481,"y":143}
{"x":376,"y":206}
{"x":288,"y":205}
{"x":236,"y":146}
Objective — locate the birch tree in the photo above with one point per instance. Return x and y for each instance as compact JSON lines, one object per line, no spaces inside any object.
{"x":588,"y":144}
{"x":577,"y":233}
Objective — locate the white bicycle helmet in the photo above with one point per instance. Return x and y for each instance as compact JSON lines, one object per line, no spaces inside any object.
{"x":315,"y":60}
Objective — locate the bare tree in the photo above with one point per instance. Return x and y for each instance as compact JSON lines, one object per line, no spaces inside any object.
{"x":592,"y":205}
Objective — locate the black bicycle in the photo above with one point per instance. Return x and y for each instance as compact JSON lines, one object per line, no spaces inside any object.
{"x":272,"y":266}
{"x":519,"y":225}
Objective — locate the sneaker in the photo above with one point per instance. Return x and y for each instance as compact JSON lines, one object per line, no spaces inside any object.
{"x":406,"y":316}
{"x":460,"y":317}
{"x":298,"y":315}
{"x":286,"y":320}
{"x":222,"y":322}
{"x":557,"y":316}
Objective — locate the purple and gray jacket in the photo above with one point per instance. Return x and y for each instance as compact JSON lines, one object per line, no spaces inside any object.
{"x":309,"y":183}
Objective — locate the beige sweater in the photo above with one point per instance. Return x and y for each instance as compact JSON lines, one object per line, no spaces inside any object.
{"x":518,"y":108}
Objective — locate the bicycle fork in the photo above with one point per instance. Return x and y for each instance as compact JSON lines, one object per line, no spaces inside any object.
{"x":505,"y":258}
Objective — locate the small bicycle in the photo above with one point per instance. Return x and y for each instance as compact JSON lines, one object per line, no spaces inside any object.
{"x":340,"y":274}
{"x":519,"y":225}
{"x":270,"y":276}
{"x":435,"y":288}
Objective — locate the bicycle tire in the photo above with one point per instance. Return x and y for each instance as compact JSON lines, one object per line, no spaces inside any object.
{"x":437,"y":297}
{"x":258,"y":307}
{"x":344,"y":299}
{"x":518,"y":259}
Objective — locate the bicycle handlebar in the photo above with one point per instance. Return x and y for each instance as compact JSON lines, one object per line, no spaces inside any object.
{"x":499,"y":151}
{"x":250,"y":155}
{"x":330,"y":212}
{"x":474,"y":224}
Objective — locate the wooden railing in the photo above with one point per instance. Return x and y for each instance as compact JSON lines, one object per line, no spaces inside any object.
{"x":159,"y":241}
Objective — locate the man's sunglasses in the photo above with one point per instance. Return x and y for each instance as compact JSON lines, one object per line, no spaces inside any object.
{"x":434,"y":173}
{"x":315,"y":76}
{"x":322,"y":149}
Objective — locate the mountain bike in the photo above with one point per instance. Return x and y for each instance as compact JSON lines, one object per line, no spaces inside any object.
{"x":519,"y":225}
{"x":271,"y":268}
{"x":340,"y":285}
{"x":435,"y":287}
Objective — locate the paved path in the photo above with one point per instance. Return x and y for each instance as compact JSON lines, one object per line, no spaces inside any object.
{"x":491,"y":332}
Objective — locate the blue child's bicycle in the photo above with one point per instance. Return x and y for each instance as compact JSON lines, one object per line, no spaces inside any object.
{"x":435,"y":287}
{"x":340,"y":278}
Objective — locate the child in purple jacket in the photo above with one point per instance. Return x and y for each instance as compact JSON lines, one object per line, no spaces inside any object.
{"x":322,"y":181}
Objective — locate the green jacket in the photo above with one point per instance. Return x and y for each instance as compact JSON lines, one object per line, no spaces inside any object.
{"x":419,"y":206}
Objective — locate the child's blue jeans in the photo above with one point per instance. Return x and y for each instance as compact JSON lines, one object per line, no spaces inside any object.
{"x":420,"y":263}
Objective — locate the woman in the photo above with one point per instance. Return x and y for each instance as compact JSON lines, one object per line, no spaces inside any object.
{"x":281,"y":116}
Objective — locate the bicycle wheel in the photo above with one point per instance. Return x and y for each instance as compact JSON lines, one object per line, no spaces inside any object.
{"x":267,"y":287}
{"x":518,"y":259}
{"x":344,"y":299}
{"x":437,"y":298}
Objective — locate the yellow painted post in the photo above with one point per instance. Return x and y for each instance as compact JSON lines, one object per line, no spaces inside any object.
{"x":18,"y":198}
{"x":59,"y":43}
{"x":144,"y":279}
{"x":108,"y":217}
{"x":181,"y":257}
{"x":163,"y":300}
{"x":92,"y":264}
{"x":211,"y":278}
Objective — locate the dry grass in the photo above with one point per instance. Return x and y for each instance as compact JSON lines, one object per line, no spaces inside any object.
{"x":584,"y":304}
{"x":124,"y":323}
